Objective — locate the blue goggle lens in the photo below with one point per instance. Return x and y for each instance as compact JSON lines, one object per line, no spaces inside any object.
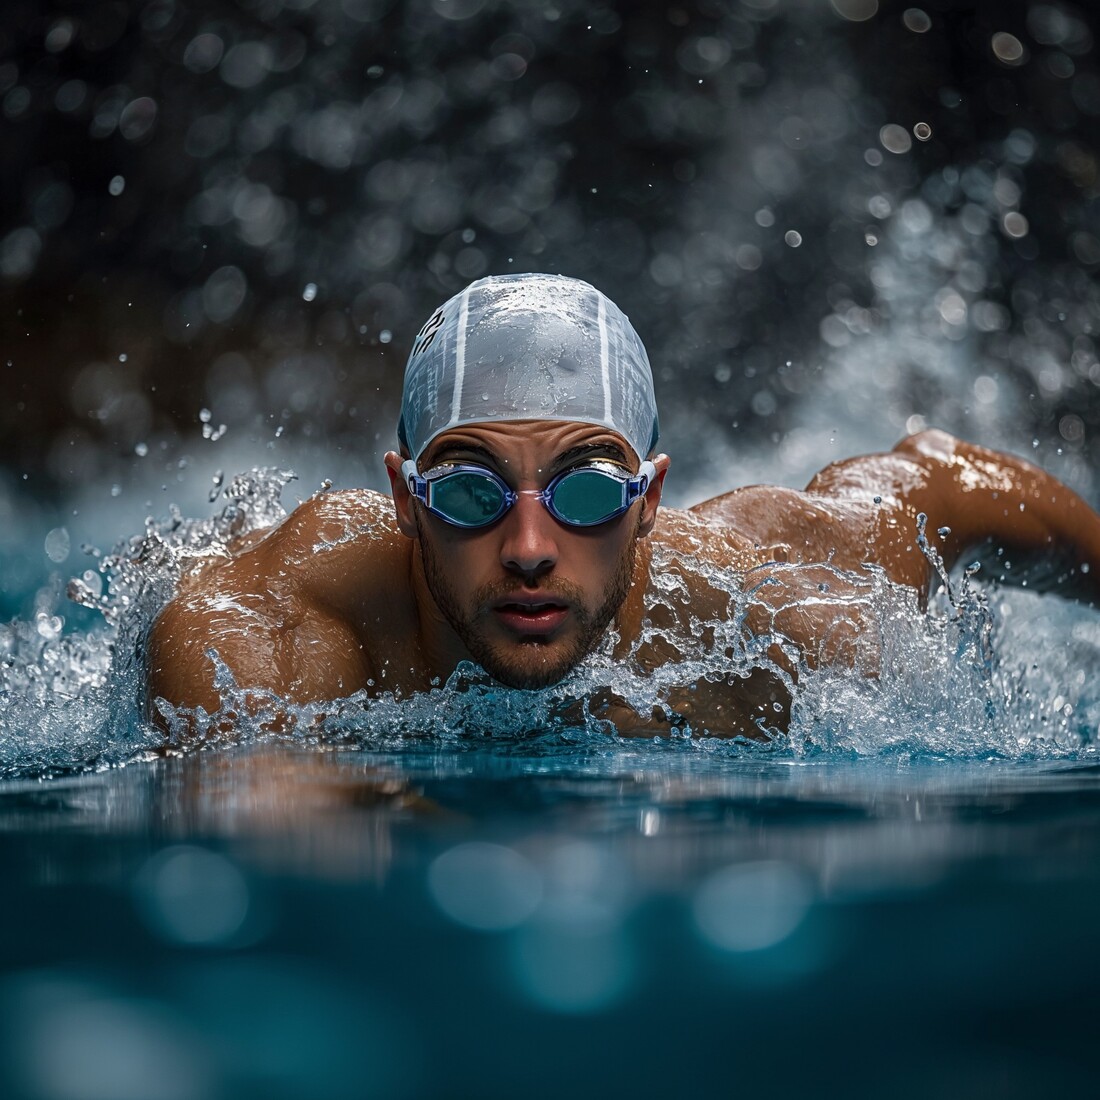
{"x":467,"y":499}
{"x":469,"y":496}
{"x":586,"y":497}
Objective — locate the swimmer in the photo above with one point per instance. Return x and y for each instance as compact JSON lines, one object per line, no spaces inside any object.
{"x":523,"y":520}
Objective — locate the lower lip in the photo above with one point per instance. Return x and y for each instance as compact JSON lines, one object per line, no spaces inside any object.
{"x":543,"y":620}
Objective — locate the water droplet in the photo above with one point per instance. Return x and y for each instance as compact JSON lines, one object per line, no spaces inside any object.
{"x":385,"y":336}
{"x":922,"y":131}
{"x":57,"y":545}
{"x":48,"y":626}
{"x":916,"y":20}
{"x":793,"y":238}
{"x":1007,"y":48}
{"x":117,"y":185}
{"x":309,"y":292}
{"x":141,"y":449}
{"x":895,"y":138}
{"x":856,"y":11}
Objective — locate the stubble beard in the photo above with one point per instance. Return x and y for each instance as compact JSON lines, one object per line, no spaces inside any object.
{"x":531,"y":662}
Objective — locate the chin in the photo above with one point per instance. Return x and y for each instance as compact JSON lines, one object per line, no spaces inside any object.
{"x":530,"y":666}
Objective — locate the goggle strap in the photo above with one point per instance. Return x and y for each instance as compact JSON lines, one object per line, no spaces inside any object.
{"x":418,"y":485}
{"x":637,"y":485}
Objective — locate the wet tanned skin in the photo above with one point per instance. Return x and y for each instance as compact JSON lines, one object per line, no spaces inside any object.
{"x":357,"y":591}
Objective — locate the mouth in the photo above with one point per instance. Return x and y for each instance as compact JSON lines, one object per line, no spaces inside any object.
{"x":530,"y":617}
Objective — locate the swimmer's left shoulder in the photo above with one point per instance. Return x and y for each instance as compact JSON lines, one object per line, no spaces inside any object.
{"x":695,"y":533}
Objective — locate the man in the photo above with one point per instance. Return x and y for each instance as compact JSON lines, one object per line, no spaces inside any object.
{"x":524,"y":523}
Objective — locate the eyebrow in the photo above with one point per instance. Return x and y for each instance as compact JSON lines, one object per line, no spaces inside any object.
{"x":607,"y":450}
{"x":441,"y":454}
{"x":592,"y":450}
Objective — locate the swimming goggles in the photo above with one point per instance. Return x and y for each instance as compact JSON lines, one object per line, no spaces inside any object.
{"x":473,"y":496}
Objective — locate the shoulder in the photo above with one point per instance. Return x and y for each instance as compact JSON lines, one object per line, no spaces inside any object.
{"x":343,"y":550}
{"x":703,"y":537}
{"x":288,"y":611}
{"x":337,"y":517}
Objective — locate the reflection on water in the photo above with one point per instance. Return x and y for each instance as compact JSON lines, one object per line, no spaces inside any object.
{"x":274,"y":921}
{"x":663,"y":818}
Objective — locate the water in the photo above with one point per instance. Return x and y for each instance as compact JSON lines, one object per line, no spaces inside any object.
{"x":489,"y":893}
{"x":437,"y":921}
{"x":425,"y":896}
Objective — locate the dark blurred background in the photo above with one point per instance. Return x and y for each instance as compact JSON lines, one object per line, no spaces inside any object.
{"x":832,"y":221}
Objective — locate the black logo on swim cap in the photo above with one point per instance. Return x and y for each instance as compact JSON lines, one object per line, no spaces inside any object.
{"x":426,"y":335}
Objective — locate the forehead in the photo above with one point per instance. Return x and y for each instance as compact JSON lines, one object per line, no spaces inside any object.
{"x":522,"y":442}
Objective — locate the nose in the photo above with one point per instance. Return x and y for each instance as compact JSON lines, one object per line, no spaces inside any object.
{"x":529,"y":547}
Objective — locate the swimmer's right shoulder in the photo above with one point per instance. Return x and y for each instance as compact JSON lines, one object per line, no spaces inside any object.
{"x":344,"y":549}
{"x":337,"y":518}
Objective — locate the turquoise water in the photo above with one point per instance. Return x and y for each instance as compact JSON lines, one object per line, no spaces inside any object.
{"x":517,"y":919}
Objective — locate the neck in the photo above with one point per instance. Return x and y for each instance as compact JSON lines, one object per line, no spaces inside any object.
{"x":441,"y":649}
{"x":629,"y":618}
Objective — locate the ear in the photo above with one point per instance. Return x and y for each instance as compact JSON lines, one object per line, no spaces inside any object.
{"x":652,"y":496}
{"x":402,"y":498}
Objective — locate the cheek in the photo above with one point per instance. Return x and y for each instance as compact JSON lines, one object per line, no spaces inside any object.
{"x":466,"y":561}
{"x":599,"y":558}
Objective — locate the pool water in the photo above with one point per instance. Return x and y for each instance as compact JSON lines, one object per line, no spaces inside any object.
{"x":501,"y":919}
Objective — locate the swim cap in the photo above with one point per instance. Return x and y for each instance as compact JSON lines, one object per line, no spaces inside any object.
{"x":528,"y":347}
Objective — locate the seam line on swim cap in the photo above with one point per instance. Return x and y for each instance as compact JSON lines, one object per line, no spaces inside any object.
{"x":605,"y":360}
{"x":460,"y":352}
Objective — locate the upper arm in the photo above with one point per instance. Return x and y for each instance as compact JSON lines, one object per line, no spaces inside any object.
{"x":299,"y":653}
{"x":976,"y":497}
{"x":180,"y":668}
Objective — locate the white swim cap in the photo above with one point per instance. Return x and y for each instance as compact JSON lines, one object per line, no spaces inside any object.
{"x":528,"y":347}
